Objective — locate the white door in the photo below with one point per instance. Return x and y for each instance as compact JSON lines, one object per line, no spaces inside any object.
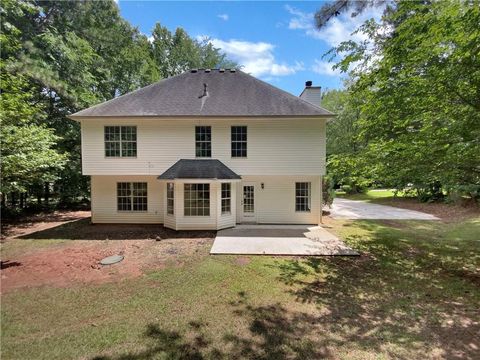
{"x":248,"y":202}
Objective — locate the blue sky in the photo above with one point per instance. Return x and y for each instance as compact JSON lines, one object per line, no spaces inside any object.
{"x":274,"y":41}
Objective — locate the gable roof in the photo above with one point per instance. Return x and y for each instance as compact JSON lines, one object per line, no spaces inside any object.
{"x":229,"y":92}
{"x":199,"y":169}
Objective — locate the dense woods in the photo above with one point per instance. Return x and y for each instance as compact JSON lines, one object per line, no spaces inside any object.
{"x":62,"y":56}
{"x":409,"y":116}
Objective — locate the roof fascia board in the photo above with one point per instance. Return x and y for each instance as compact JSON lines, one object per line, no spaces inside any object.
{"x":196,"y":117}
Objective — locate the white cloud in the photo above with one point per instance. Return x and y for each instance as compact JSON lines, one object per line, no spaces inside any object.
{"x":256,"y":58}
{"x":325,"y":68}
{"x":337,"y":29}
{"x":224,"y":17}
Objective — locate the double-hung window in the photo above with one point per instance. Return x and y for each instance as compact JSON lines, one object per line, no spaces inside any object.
{"x":196,"y":199}
{"x":170,"y":198}
{"x":226,"y":199}
{"x":120,"y":141}
{"x":302,"y":196}
{"x":203,"y":141}
{"x":132,"y":196}
{"x":239,"y":141}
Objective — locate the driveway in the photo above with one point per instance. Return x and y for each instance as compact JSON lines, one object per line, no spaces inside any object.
{"x":355,"y":209}
{"x":278,"y":240}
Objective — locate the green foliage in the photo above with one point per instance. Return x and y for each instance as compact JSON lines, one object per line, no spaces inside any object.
{"x":328,"y":192}
{"x":178,"y":52}
{"x":59,"y":57}
{"x":418,"y":76}
{"x":28,"y":153}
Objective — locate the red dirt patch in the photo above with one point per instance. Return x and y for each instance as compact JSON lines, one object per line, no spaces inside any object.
{"x":78,"y":262}
{"x":39,"y":222}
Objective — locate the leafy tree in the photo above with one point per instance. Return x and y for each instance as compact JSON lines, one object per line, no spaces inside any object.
{"x":334,"y":8}
{"x":29,"y":156}
{"x":418,"y":74}
{"x":59,"y":57}
{"x":178,"y":52}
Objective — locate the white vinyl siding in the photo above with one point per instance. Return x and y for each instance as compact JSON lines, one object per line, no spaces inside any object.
{"x":104,"y":200}
{"x":275,"y":147}
{"x":275,"y":203}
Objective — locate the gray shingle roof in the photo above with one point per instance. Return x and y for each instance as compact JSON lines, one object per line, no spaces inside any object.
{"x":199,"y":169}
{"x":229,"y":94}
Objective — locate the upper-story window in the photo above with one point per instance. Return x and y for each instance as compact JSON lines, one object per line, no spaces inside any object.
{"x":120,"y":141}
{"x":239,"y":141}
{"x":203,"y":141}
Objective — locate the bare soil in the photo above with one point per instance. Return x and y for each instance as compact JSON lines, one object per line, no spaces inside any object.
{"x":38,"y":222}
{"x":76,"y":258}
{"x":446,"y":212}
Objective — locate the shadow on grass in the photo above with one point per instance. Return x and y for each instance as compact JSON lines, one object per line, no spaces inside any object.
{"x":412,"y":290}
{"x":83,"y":230}
{"x":273,"y":333}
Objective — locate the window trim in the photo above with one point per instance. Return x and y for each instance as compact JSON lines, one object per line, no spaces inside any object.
{"x":227,"y":198}
{"x":197,"y":198}
{"x":120,"y":142}
{"x":308,"y":196}
{"x":232,"y":141}
{"x":131,"y":210}
{"x":171,"y":198}
{"x":203,"y":141}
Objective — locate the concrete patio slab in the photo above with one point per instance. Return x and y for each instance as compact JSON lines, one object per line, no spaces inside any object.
{"x":355,"y":209}
{"x":279,"y":240}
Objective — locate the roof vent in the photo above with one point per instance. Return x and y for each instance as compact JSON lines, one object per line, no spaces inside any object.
{"x":233,"y":70}
{"x":221,"y":70}
{"x":308,"y":83}
{"x":193,"y":70}
{"x":207,"y":70}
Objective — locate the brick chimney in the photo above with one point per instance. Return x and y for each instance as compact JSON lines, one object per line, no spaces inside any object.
{"x":311,"y":94}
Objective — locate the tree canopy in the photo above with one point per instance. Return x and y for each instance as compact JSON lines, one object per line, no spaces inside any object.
{"x":62,"y":56}
{"x":417,"y":83}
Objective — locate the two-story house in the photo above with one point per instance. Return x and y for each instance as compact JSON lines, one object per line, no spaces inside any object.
{"x":206,"y":149}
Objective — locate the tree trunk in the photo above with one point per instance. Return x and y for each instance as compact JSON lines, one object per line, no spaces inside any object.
{"x":22,"y":200}
{"x":13,"y":200}
{"x":47,"y":193}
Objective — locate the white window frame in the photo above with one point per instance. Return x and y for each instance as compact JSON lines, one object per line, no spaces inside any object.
{"x":308,"y":196}
{"x":200,"y":142}
{"x":122,"y":129}
{"x":226,"y":198}
{"x":232,"y":141}
{"x":130,"y":189}
{"x":170,"y":198}
{"x":196,"y":188}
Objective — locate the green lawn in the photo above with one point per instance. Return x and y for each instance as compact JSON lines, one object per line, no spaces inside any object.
{"x":414,"y":293}
{"x":370,"y":195}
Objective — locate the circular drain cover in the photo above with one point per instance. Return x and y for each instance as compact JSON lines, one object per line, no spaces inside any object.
{"x":111,"y":260}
